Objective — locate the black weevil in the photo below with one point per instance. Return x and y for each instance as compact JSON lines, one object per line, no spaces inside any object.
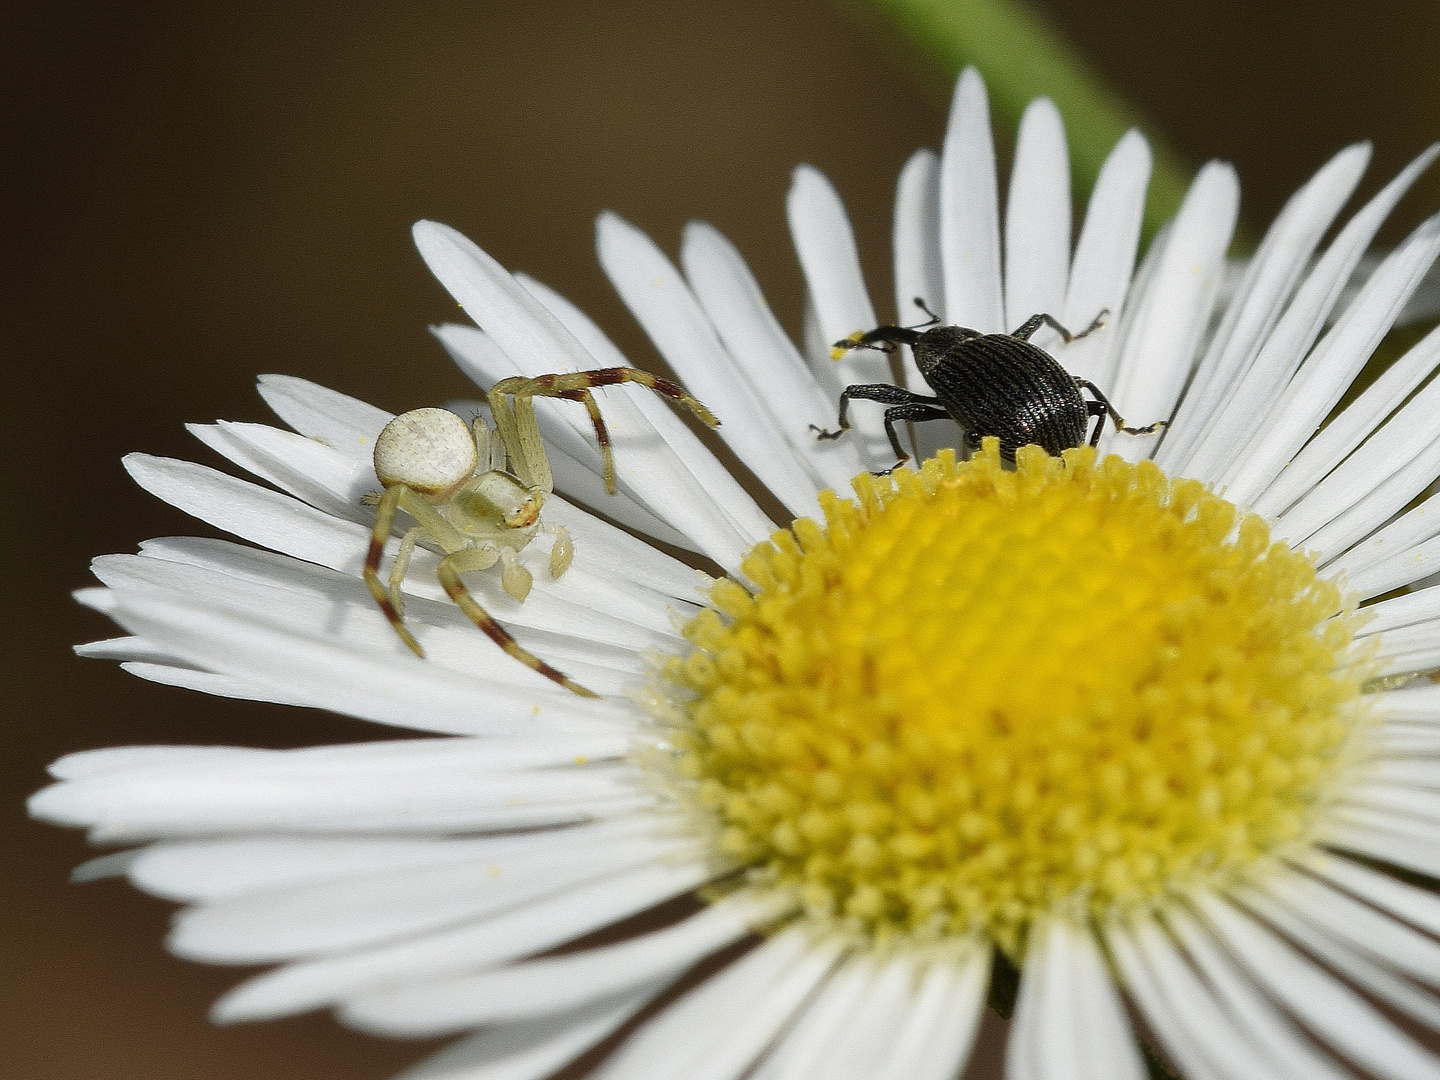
{"x":989,"y":384}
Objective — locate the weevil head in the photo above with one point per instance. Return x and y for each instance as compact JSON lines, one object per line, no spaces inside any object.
{"x":936,"y":344}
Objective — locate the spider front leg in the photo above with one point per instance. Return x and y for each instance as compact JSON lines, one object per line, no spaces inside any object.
{"x":388,"y":598}
{"x":402,"y":564}
{"x":449,"y":571}
{"x":576,"y":386}
{"x":431,"y":524}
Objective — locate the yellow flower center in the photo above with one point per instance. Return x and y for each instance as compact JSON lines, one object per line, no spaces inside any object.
{"x":976,"y":693}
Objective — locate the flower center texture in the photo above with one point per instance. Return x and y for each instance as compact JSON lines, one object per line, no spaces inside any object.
{"x":976,"y":693}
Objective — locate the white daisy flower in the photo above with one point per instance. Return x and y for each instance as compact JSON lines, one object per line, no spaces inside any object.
{"x":1085,"y":718}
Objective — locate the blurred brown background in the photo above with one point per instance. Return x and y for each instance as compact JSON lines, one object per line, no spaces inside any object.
{"x":201,"y":192}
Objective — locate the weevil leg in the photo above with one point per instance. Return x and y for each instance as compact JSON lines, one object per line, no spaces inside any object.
{"x":1095,"y":408}
{"x":1106,"y":407}
{"x":384,"y":518}
{"x":915,"y":411}
{"x":575,"y":386}
{"x":1036,"y":321}
{"x":449,"y":571}
{"x":881,"y":392}
{"x":402,"y":564}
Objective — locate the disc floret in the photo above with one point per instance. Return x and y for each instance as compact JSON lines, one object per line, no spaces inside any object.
{"x":976,"y":693}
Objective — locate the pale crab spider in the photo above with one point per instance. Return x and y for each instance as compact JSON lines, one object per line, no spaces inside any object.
{"x":477,"y":495}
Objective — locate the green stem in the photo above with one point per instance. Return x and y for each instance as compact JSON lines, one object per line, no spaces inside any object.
{"x":1023,"y":57}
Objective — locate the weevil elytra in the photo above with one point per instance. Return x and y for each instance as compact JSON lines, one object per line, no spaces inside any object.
{"x":478,"y":498}
{"x":989,"y":384}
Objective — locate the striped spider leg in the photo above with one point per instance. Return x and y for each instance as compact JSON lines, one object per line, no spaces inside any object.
{"x":575,"y":386}
{"x":475,"y":497}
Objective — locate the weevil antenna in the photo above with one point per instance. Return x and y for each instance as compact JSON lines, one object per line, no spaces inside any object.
{"x":932,"y":321}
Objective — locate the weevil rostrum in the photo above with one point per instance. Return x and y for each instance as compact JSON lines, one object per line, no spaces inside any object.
{"x":477,"y":493}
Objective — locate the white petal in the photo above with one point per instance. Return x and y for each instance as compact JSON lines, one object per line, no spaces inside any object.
{"x":935,"y":1038}
{"x":1332,"y":366}
{"x":731,"y":298}
{"x":1404,"y":610}
{"x":326,"y":479}
{"x":209,"y":870}
{"x":314,"y":919}
{"x":1330,"y":1010}
{"x":263,"y":517}
{"x":1404,"y":901}
{"x":348,"y":634}
{"x":287,"y":525}
{"x":549,"y":985}
{"x":1162,"y":336}
{"x":825,"y":244}
{"x":530,"y":1051}
{"x":537,"y":343}
{"x":1255,"y":307}
{"x":1374,"y":837}
{"x":644,"y":460}
{"x":712,"y":477}
{"x":970,"y":213}
{"x":1105,"y":259}
{"x":124,"y":648}
{"x":484,"y":363}
{"x":340,"y":422}
{"x":1346,"y":431}
{"x":918,"y":273}
{"x":340,"y":609}
{"x":519,"y":323}
{"x":1231,"y":429}
{"x":1412,"y":703}
{"x":1396,"y":570}
{"x":208,"y":682}
{"x":531,"y":929}
{"x":664,"y":305}
{"x":402,"y":787}
{"x":1182,"y":1010}
{"x":1271,"y":1031}
{"x":1380,"y":982}
{"x":1037,"y":221}
{"x":1406,"y":532}
{"x":575,"y":462}
{"x":1360,"y":926}
{"x":1075,"y":1024}
{"x":862,"y":1047}
{"x":118,"y":759}
{"x":116,"y":864}
{"x":824,"y":1019}
{"x":718,"y":1030}
{"x":1405,"y":808}
{"x":817,"y":349}
{"x":1376,"y":482}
